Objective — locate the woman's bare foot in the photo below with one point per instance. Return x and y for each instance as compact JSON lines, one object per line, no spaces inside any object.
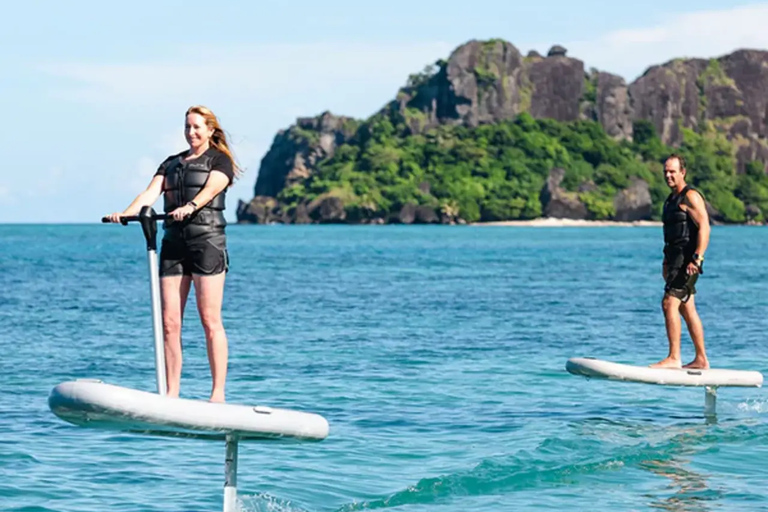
{"x":667,"y":363}
{"x":699,"y":363}
{"x":217,"y":396}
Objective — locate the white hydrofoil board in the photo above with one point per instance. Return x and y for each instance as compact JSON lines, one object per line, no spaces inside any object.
{"x":713,"y":377}
{"x":93,"y":403}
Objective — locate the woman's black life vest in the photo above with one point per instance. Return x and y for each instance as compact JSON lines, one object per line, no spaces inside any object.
{"x":183,"y":181}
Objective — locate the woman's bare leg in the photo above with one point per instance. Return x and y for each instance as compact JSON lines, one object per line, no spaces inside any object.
{"x":174,"y":291}
{"x":209,"y":292}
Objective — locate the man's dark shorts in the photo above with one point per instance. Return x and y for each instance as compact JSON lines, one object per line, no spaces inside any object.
{"x":203,"y":256}
{"x":681,"y":285}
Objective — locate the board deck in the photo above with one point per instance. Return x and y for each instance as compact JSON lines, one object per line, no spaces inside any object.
{"x":713,"y":377}
{"x":93,"y":403}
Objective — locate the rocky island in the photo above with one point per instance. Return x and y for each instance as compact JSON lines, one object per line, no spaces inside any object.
{"x":492,"y":135}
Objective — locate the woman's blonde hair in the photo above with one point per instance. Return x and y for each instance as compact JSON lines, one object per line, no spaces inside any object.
{"x":218,"y":138}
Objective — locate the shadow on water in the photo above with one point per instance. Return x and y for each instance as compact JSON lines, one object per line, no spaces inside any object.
{"x":674,"y":449}
{"x":690,"y":490}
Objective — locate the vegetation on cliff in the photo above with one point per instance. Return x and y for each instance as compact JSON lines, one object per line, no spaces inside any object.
{"x":497,"y":171}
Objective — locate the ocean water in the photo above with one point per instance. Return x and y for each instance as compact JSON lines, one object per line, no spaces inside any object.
{"x":436,"y":353}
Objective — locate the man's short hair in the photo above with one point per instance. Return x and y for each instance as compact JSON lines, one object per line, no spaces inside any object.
{"x":680,"y":158}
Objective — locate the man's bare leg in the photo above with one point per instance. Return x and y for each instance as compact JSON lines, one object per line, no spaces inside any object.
{"x":692,"y":320}
{"x":671,"y":307}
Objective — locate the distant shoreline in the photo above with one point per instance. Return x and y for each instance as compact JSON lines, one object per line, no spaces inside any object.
{"x":558,"y":223}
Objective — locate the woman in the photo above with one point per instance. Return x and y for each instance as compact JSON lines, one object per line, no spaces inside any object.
{"x":193,"y":249}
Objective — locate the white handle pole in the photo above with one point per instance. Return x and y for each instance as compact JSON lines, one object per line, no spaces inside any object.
{"x":157,"y":323}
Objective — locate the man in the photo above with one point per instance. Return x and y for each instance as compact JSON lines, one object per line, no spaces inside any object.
{"x":686,"y":236}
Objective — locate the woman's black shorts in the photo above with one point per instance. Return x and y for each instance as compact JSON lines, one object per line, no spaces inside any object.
{"x":201,"y":255}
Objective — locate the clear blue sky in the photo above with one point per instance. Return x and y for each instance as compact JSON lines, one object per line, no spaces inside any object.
{"x":93,"y":93}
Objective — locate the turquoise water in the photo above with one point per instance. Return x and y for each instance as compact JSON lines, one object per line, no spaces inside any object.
{"x":436,"y":353}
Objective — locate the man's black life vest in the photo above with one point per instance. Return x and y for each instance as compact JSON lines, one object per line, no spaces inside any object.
{"x":183,"y":181}
{"x":680,"y":231}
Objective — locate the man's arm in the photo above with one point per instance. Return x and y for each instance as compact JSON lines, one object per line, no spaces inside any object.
{"x":698,"y":211}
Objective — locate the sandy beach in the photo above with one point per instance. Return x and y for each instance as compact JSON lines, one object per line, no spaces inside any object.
{"x":557,"y":223}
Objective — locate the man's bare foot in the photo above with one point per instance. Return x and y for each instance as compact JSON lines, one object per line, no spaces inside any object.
{"x":217,"y":396}
{"x":667,"y":363}
{"x":699,"y":363}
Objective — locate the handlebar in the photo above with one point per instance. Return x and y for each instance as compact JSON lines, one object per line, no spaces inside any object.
{"x":147,"y":218}
{"x":135,"y":218}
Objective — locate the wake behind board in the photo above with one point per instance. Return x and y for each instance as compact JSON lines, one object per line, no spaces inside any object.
{"x":713,"y":377}
{"x":92,"y":403}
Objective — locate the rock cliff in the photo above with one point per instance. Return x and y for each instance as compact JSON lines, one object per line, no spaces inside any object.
{"x":491,"y":81}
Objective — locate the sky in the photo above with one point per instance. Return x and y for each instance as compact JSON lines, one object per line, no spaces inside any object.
{"x":93,"y":93}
